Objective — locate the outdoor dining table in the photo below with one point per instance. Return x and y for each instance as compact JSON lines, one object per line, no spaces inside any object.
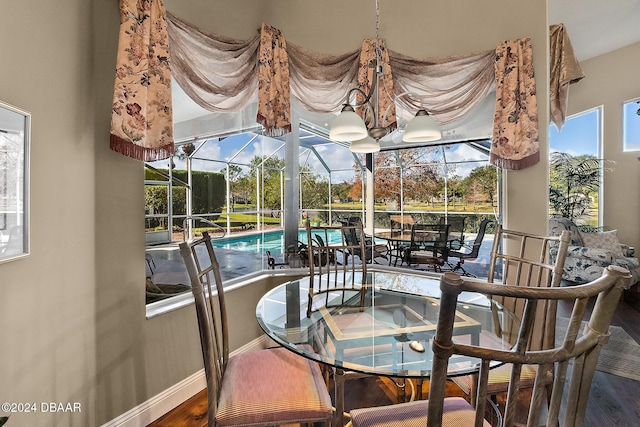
{"x":397,"y":241}
{"x":388,"y":335}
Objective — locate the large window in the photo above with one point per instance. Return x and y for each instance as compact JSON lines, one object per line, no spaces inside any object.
{"x":430,"y":182}
{"x":631,"y":119}
{"x":230,"y":179}
{"x":234,"y":185}
{"x":576,"y":168}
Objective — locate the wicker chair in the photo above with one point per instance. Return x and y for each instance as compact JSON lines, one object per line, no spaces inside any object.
{"x":524,"y":258}
{"x":260,"y":388}
{"x":582,"y":351}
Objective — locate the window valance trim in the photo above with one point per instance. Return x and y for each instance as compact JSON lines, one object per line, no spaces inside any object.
{"x":225,"y":75}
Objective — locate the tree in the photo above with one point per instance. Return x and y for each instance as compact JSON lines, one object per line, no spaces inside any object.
{"x":155,"y":199}
{"x":423,"y":183}
{"x":355,"y":186}
{"x":481,"y":181}
{"x":268,"y":172}
{"x":314,"y":189}
{"x":573,"y":183}
{"x":235,"y":175}
{"x":421,"y":176}
{"x":455,"y":189}
{"x":341,"y":191}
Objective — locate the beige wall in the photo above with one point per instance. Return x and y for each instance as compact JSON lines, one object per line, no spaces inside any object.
{"x":610,"y":80}
{"x":48,"y":304}
{"x":72,"y":313}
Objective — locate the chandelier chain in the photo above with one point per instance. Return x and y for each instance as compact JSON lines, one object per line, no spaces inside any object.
{"x":377,"y":23}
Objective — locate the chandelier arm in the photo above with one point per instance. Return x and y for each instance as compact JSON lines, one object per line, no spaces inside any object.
{"x":367,"y":102}
{"x":395,"y":98}
{"x":367,"y":98}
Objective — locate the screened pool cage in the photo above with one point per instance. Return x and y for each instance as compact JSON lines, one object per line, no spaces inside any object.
{"x":244,"y":181}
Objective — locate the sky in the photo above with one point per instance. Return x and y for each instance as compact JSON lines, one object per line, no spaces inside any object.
{"x":580,"y":133}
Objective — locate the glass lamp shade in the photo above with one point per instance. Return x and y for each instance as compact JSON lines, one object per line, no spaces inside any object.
{"x":348,"y":126}
{"x":365,"y":145}
{"x":422,"y":128}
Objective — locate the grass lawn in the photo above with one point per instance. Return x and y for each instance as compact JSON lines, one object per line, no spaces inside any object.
{"x":237,"y":219}
{"x":424,"y":207}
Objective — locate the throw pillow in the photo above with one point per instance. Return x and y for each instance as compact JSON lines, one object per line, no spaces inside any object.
{"x":603,"y":240}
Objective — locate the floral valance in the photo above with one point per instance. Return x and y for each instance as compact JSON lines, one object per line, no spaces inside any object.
{"x":141,"y":119}
{"x":223,"y":74}
{"x":515,"y":125}
{"x":274,"y":98}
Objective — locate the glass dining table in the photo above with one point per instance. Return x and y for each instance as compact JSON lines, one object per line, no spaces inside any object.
{"x":387,"y":332}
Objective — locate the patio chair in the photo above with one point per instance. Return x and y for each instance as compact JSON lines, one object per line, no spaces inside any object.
{"x":470,"y":252}
{"x":581,"y":351}
{"x":258,"y":388}
{"x":373,"y":251}
{"x":428,"y":246}
{"x":525,"y":262}
{"x":456,"y":230}
{"x":337,"y":273}
{"x":401,"y":222}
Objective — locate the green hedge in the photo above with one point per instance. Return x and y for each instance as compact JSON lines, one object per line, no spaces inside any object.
{"x":208,"y":193}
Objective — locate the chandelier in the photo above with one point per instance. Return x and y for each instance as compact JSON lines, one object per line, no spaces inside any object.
{"x":350,"y":127}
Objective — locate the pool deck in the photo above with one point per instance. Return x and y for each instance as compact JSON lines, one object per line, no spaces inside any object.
{"x":165,"y":266}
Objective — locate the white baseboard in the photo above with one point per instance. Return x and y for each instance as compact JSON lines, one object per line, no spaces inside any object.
{"x":160,"y":404}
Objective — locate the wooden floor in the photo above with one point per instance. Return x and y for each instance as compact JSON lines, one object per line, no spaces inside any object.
{"x":613,"y":401}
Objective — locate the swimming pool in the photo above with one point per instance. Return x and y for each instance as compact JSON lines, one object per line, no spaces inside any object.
{"x":272,"y":241}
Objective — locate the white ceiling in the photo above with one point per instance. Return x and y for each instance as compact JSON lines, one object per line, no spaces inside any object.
{"x":596,"y":27}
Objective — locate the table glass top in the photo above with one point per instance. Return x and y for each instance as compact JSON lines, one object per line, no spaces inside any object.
{"x":390,"y":334}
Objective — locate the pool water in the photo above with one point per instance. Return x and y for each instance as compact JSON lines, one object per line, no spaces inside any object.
{"x":272,"y":241}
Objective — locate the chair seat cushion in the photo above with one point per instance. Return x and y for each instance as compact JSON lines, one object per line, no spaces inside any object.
{"x":297,"y":395}
{"x":456,"y":413}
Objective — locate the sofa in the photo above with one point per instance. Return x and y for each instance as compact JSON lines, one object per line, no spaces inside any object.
{"x":590,"y":252}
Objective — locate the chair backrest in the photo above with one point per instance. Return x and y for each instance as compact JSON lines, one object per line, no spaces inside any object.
{"x":430,"y":236}
{"x":337,"y":267}
{"x":353,"y":220}
{"x":353,"y":233}
{"x":525,"y":262}
{"x":204,"y":274}
{"x":401,"y":222}
{"x":477,"y":243}
{"x":456,"y":229}
{"x":583,"y":351}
